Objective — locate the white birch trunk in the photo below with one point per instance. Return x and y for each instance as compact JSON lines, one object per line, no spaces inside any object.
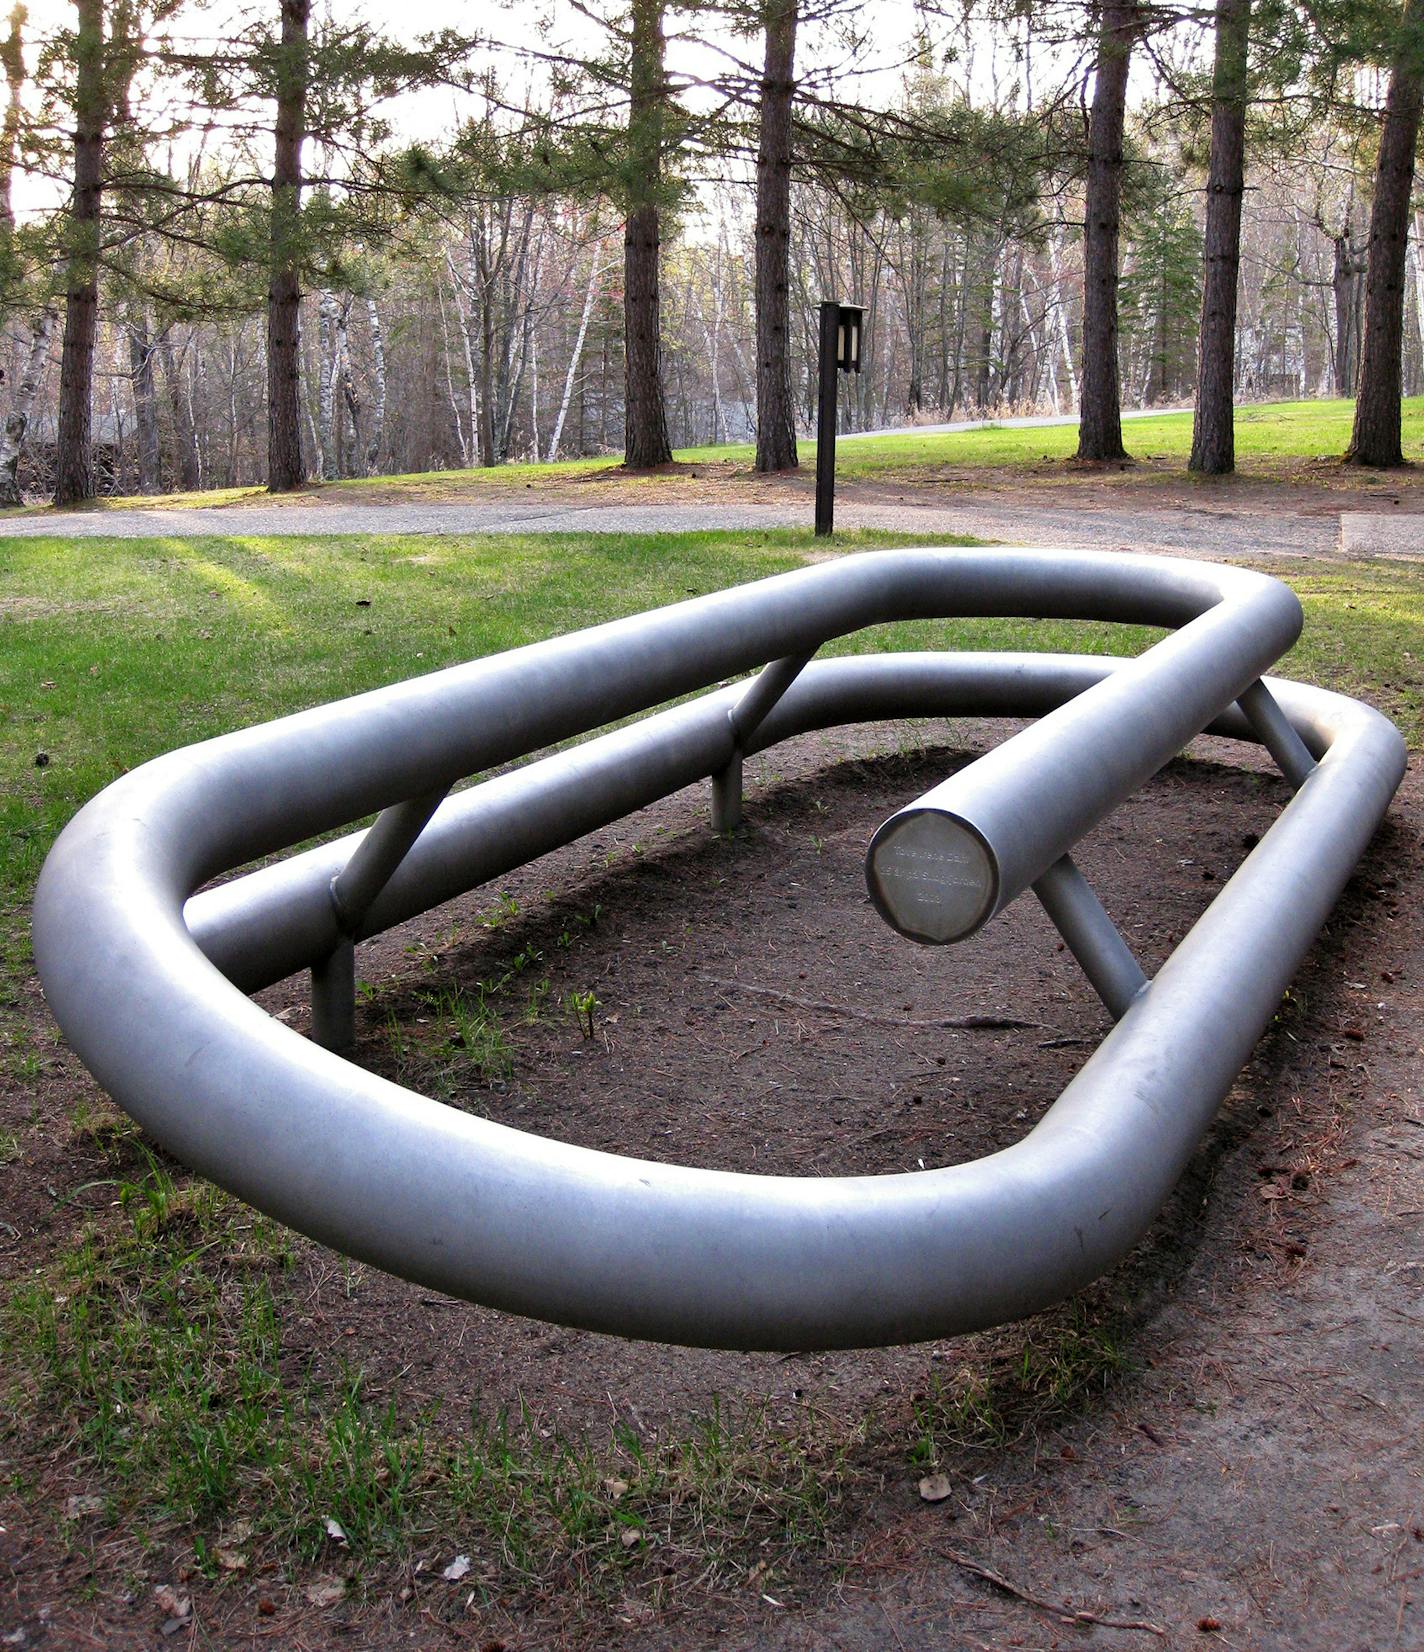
{"x":12,"y":439}
{"x":1049,"y":355}
{"x":450,"y":381}
{"x":1065,"y":343}
{"x":327,"y":311}
{"x":347,"y":454}
{"x":534,"y":400}
{"x":576,"y":356}
{"x":464,"y":314}
{"x":378,"y":365}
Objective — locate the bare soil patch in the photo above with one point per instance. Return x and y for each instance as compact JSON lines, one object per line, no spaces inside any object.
{"x":1221,"y":1439}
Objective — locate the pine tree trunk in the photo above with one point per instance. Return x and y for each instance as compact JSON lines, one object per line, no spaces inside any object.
{"x":1213,"y":422}
{"x":645,"y":435}
{"x":12,"y":441}
{"x":776,"y":410}
{"x":1100,"y":410}
{"x":74,"y":459}
{"x":1376,"y":437}
{"x":141,"y":348}
{"x":286,"y":468}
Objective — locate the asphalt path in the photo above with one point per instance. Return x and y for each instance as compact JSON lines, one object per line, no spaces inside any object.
{"x":1165,"y":530}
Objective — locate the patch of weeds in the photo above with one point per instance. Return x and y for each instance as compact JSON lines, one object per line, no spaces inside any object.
{"x":731,"y":1490}
{"x":401,"y":1047}
{"x":538,"y":998}
{"x":148,"y":1362}
{"x":9,"y":1147}
{"x":466,"y":1023}
{"x":363,"y":1469}
{"x":23,"y":1061}
{"x":1063,"y":1361}
{"x":150,"y":1350}
{"x":578,"y":921}
{"x":96,"y":1123}
{"x":506,"y":911}
{"x":961,"y":1413}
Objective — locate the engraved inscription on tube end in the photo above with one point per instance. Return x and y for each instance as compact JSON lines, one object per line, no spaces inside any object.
{"x":930,"y":877}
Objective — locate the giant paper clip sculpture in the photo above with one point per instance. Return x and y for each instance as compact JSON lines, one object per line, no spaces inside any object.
{"x":147,"y":969}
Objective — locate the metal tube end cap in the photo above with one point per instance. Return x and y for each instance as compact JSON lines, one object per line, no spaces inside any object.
{"x":931,"y":876}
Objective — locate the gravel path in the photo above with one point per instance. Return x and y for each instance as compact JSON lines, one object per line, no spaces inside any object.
{"x":1208,"y":533}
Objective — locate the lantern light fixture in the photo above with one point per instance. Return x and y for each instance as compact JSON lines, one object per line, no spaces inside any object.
{"x":848,"y":330}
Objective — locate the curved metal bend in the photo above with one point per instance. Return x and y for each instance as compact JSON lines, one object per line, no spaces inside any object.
{"x":644,"y":1249}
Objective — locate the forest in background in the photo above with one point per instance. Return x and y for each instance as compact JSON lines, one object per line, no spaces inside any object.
{"x":248,"y":273}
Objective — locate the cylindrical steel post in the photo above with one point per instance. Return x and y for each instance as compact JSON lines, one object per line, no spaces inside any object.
{"x":727,"y":796}
{"x":1277,"y":736}
{"x":382,"y":849}
{"x":333,"y":997}
{"x":941,"y":867}
{"x":1092,"y":936}
{"x":766,"y":689}
{"x":826,"y":422}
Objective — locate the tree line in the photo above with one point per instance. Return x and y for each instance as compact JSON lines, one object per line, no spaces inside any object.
{"x":250,"y":275}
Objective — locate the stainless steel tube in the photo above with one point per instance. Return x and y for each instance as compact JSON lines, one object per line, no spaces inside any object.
{"x":942,"y":866}
{"x":268,"y":924}
{"x":644,"y":1249}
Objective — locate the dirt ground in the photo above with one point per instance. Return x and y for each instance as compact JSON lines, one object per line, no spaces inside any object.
{"x":1250,"y":1476}
{"x":1304,"y":487}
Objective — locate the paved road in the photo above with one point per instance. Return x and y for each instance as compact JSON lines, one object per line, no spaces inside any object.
{"x":1211,"y":533}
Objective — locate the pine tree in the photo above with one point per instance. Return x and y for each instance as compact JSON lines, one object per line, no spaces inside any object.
{"x":1213,"y":419}
{"x":1376,"y":439}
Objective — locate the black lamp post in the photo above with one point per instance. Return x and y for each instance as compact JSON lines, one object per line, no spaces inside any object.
{"x":840,"y":353}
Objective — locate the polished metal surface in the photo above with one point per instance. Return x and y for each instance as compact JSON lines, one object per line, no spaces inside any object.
{"x":145,"y":968}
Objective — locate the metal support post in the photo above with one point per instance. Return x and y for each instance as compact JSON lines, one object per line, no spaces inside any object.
{"x":727,"y":796}
{"x":382,"y":849}
{"x":746,"y":717}
{"x":1092,"y":936}
{"x":1275,"y":733}
{"x":826,"y":421}
{"x":333,"y":998}
{"x":355,"y":886}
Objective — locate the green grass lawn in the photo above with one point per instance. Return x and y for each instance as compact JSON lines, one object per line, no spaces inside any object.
{"x":115,"y":650}
{"x":1265,"y":434}
{"x":1272,"y":439}
{"x":168,"y":1302}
